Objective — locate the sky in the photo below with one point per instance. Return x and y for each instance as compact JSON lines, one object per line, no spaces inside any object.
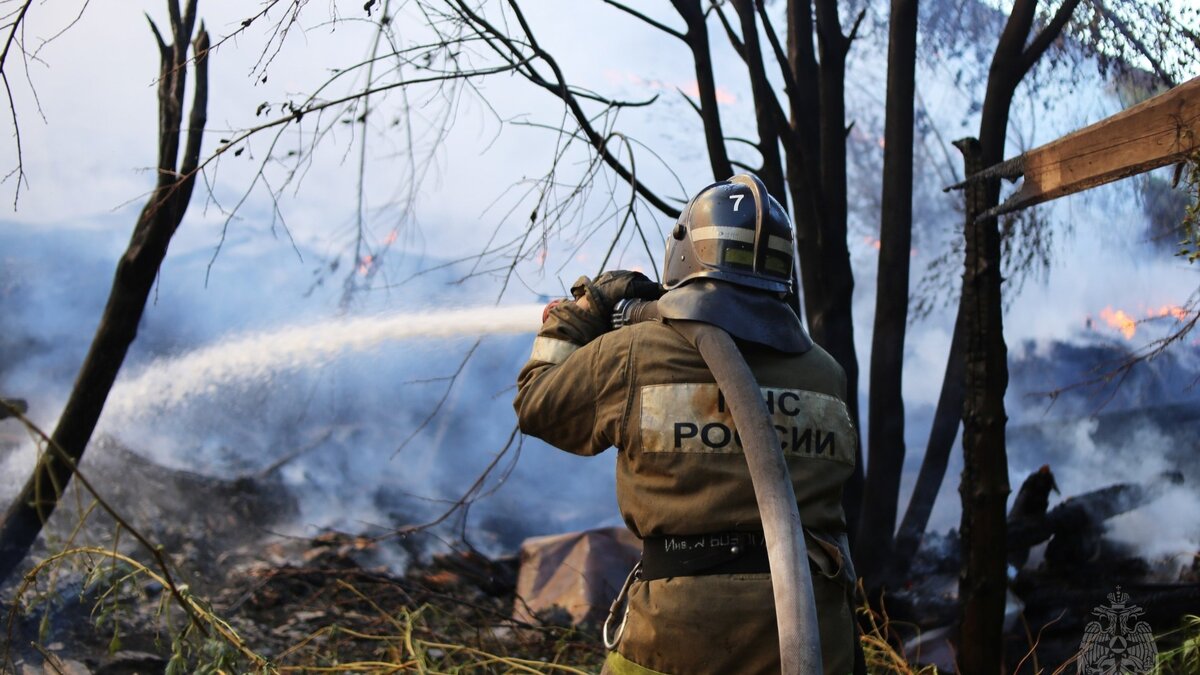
{"x":88,"y":141}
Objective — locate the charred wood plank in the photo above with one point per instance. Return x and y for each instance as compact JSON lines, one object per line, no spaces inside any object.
{"x":1160,"y":131}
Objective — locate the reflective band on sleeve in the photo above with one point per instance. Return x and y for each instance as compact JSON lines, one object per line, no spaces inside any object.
{"x":551,"y":350}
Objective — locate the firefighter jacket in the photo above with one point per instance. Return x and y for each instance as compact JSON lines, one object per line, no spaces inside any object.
{"x":680,"y":471}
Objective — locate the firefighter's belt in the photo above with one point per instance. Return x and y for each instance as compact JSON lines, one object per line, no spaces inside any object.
{"x":702,"y":554}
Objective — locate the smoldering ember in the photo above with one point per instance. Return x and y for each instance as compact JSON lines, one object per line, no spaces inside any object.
{"x":531,"y":336}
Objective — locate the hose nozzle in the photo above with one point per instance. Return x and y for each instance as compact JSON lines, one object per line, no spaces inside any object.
{"x":629,"y":311}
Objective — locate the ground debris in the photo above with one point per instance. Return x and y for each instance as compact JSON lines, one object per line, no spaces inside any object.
{"x":131,"y":663}
{"x":313,"y":602}
{"x":321,"y":601}
{"x":571,"y":579}
{"x":455,"y":602}
{"x":54,"y":666}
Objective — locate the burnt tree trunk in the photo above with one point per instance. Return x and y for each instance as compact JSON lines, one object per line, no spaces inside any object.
{"x":885,"y":439}
{"x":771,"y":171}
{"x":135,"y":275}
{"x":1016,"y":53}
{"x":944,"y":429}
{"x":816,"y":165}
{"x":697,"y":41}
{"x":984,"y":487}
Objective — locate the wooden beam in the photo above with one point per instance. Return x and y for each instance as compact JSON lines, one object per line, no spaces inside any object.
{"x":1159,"y":131}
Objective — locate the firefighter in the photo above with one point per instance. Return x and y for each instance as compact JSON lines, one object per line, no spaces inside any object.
{"x":701,"y":599}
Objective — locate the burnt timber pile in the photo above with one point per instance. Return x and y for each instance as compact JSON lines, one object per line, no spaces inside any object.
{"x":1061,"y":563}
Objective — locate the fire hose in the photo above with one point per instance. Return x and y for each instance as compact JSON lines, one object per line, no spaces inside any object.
{"x":791,"y":580}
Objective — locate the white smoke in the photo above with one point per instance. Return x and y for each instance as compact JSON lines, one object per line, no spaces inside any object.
{"x":1168,"y":527}
{"x":255,"y":374}
{"x":374,"y":422}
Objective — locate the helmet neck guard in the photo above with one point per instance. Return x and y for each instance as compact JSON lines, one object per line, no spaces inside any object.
{"x":744,"y":313}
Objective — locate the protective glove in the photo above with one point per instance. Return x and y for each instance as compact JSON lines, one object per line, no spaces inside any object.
{"x":549,"y":306}
{"x":613,"y":286}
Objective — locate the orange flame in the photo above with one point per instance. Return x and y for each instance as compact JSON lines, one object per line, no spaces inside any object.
{"x":1124,"y":322}
{"x":1168,"y":310}
{"x":391,"y":238}
{"x":1120,"y":320}
{"x":364,"y":267}
{"x":873,"y":242}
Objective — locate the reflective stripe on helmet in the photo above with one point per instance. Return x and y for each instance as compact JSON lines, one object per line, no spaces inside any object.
{"x":740,"y":234}
{"x":717,"y":232}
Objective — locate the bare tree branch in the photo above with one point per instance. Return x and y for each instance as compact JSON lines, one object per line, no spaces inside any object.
{"x":13,"y":27}
{"x":19,"y":169}
{"x":559,"y":88}
{"x":1133,"y":39}
{"x":790,"y":89}
{"x":1051,"y":32}
{"x":453,"y":378}
{"x":708,"y":108}
{"x":734,"y":39}
{"x":474,"y":492}
{"x":633,"y":12}
{"x":768,"y":113}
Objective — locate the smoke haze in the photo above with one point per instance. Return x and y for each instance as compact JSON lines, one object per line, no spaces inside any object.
{"x":236,"y":371}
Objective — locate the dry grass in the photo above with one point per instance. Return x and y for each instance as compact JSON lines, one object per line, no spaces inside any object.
{"x":881,"y":645}
{"x":1184,"y":658}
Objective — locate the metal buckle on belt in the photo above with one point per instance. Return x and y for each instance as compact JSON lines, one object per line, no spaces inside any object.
{"x":611,"y":644}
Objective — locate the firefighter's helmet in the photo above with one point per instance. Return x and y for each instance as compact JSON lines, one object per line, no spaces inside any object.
{"x":733,"y":231}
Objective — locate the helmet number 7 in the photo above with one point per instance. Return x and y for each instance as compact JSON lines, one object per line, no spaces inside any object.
{"x":737,"y":201}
